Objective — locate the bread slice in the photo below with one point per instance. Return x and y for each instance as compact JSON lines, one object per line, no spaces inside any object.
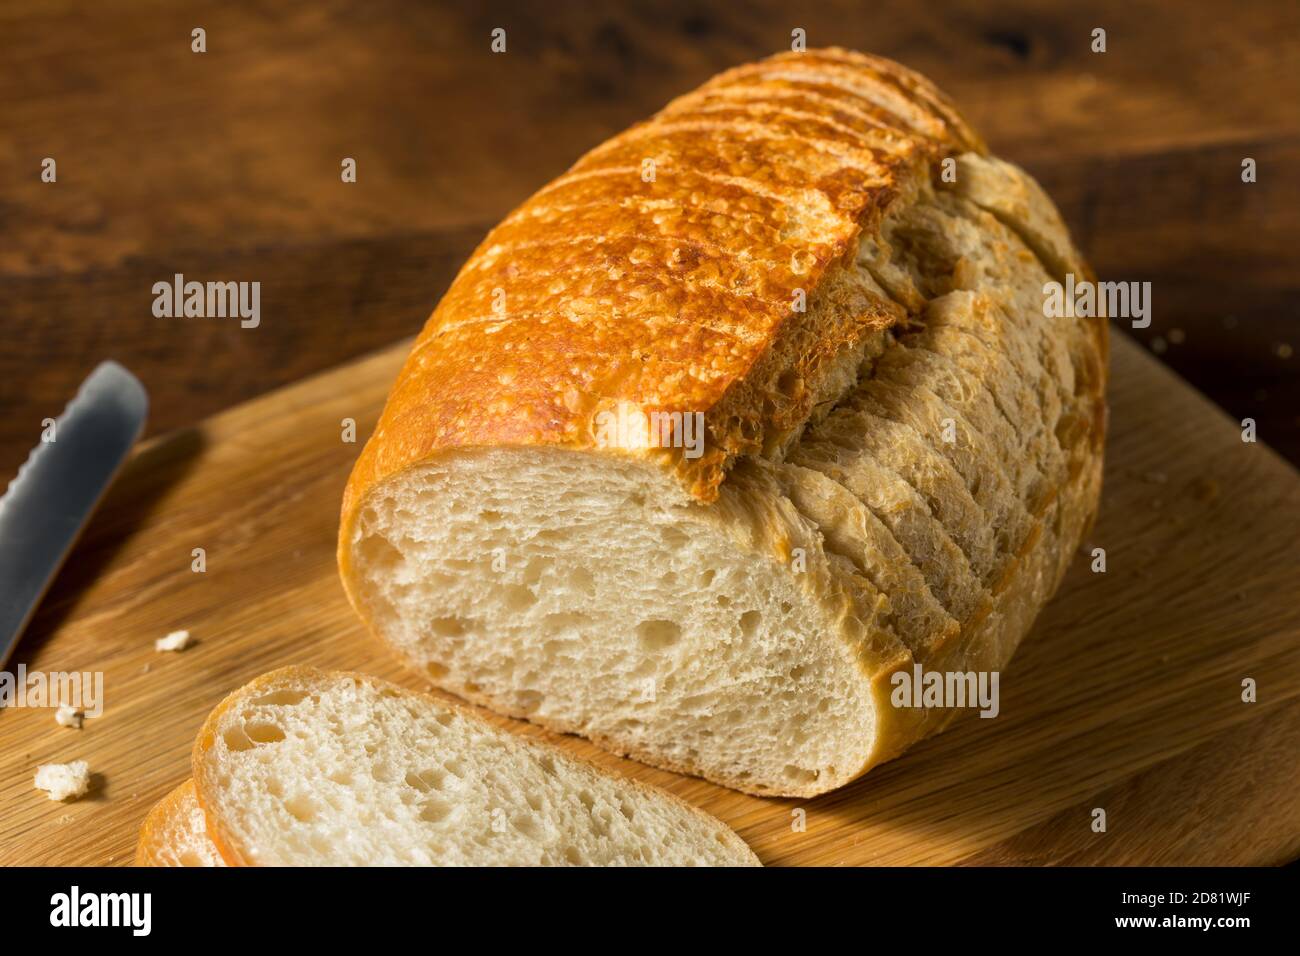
{"x":968,"y":396}
{"x":904,"y":510}
{"x":862,"y":427}
{"x":948,"y":432}
{"x":740,"y":266}
{"x":851,"y":529}
{"x":176,"y":834}
{"x":303,"y":768}
{"x":965,"y":329}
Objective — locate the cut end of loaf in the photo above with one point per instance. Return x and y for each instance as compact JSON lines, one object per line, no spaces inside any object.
{"x":592,"y":596}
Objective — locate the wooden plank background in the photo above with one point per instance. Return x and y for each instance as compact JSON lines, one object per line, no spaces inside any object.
{"x":225,"y":165}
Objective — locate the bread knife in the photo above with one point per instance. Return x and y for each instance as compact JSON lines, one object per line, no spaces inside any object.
{"x":57,"y":488}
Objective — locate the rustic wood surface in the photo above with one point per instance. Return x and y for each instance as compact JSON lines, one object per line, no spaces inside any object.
{"x":225,"y":165}
{"x":1127,"y":696}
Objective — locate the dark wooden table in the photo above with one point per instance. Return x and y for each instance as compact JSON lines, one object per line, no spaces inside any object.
{"x":225,"y":166}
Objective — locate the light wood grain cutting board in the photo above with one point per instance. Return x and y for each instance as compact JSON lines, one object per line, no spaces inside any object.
{"x":1127,"y":695}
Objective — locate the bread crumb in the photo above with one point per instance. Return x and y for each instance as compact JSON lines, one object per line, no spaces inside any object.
{"x":1177,"y":337}
{"x":67,"y":716}
{"x":64,"y":781}
{"x":175,"y":641}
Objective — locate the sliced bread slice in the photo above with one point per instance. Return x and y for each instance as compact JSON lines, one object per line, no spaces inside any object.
{"x":969,"y":396}
{"x":176,"y":834}
{"x":861,"y":432}
{"x":961,"y":327}
{"x":907,"y":515}
{"x":304,"y":767}
{"x":947,"y":431}
{"x":852,"y":530}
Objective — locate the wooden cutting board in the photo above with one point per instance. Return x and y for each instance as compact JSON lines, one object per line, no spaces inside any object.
{"x":1126,"y":697}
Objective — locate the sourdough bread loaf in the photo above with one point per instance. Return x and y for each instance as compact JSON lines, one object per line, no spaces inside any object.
{"x":817,"y":259}
{"x":310,"y":768}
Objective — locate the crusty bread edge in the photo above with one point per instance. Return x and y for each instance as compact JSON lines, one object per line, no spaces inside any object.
{"x":164,"y":812}
{"x":155,"y":824}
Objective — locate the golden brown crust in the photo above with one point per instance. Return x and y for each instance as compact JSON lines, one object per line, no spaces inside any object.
{"x":667,"y":291}
{"x":868,"y":81}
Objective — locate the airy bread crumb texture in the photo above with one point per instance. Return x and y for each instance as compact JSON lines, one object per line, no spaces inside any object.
{"x":308,"y":768}
{"x":657,"y":625}
{"x":64,"y":781}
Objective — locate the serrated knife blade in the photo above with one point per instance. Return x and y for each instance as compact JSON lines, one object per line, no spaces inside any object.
{"x":58,"y":487}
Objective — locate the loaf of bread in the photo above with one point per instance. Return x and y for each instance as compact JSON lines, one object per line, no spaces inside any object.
{"x":307,"y":768}
{"x":753,"y":408}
